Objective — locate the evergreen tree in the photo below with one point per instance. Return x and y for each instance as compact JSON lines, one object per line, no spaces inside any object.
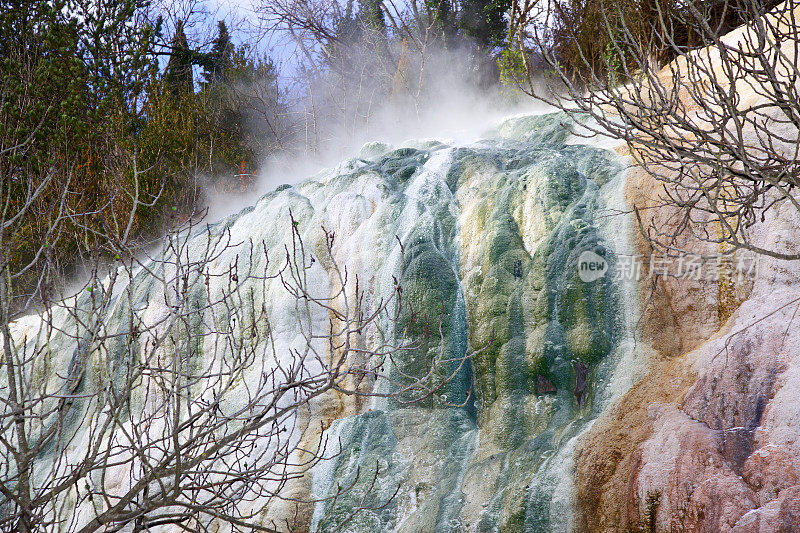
{"x":220,"y":60}
{"x":370,"y":14}
{"x":72,"y":82}
{"x":117,"y":44}
{"x":441,"y":13}
{"x":178,"y":76}
{"x":483,"y":21}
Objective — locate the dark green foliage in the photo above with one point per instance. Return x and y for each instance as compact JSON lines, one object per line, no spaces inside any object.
{"x":219,"y":62}
{"x":72,"y":78}
{"x":224,"y":130}
{"x":443,"y":17}
{"x":86,"y":111}
{"x":347,"y":30}
{"x":178,"y":75}
{"x":370,"y":14}
{"x":483,"y":25}
{"x":238,"y":114}
{"x":482,"y":21}
{"x":117,"y":45}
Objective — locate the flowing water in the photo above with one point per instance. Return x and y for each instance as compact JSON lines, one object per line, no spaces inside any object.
{"x":492,"y":233}
{"x":495,"y":230}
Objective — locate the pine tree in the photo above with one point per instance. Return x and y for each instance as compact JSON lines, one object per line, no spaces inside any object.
{"x":441,"y":14}
{"x":370,"y":14}
{"x":178,"y":76}
{"x":484,"y":22}
{"x":219,"y":61}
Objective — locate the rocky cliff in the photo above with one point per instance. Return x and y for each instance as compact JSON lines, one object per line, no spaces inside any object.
{"x":707,"y":440}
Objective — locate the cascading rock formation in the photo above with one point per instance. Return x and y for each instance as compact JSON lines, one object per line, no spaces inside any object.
{"x":494,"y":230}
{"x":531,"y":433}
{"x":491,"y":237}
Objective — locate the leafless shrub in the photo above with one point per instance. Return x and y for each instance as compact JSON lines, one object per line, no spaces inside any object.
{"x":719,"y":126}
{"x":179,"y":404}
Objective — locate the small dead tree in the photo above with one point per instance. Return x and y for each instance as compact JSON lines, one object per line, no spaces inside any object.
{"x":718,"y":125}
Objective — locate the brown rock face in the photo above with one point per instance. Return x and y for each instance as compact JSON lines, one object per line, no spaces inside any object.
{"x":709,"y":439}
{"x":611,"y":453}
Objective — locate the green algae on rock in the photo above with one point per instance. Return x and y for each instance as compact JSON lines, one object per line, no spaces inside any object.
{"x":493,"y":247}
{"x":484,"y":240}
